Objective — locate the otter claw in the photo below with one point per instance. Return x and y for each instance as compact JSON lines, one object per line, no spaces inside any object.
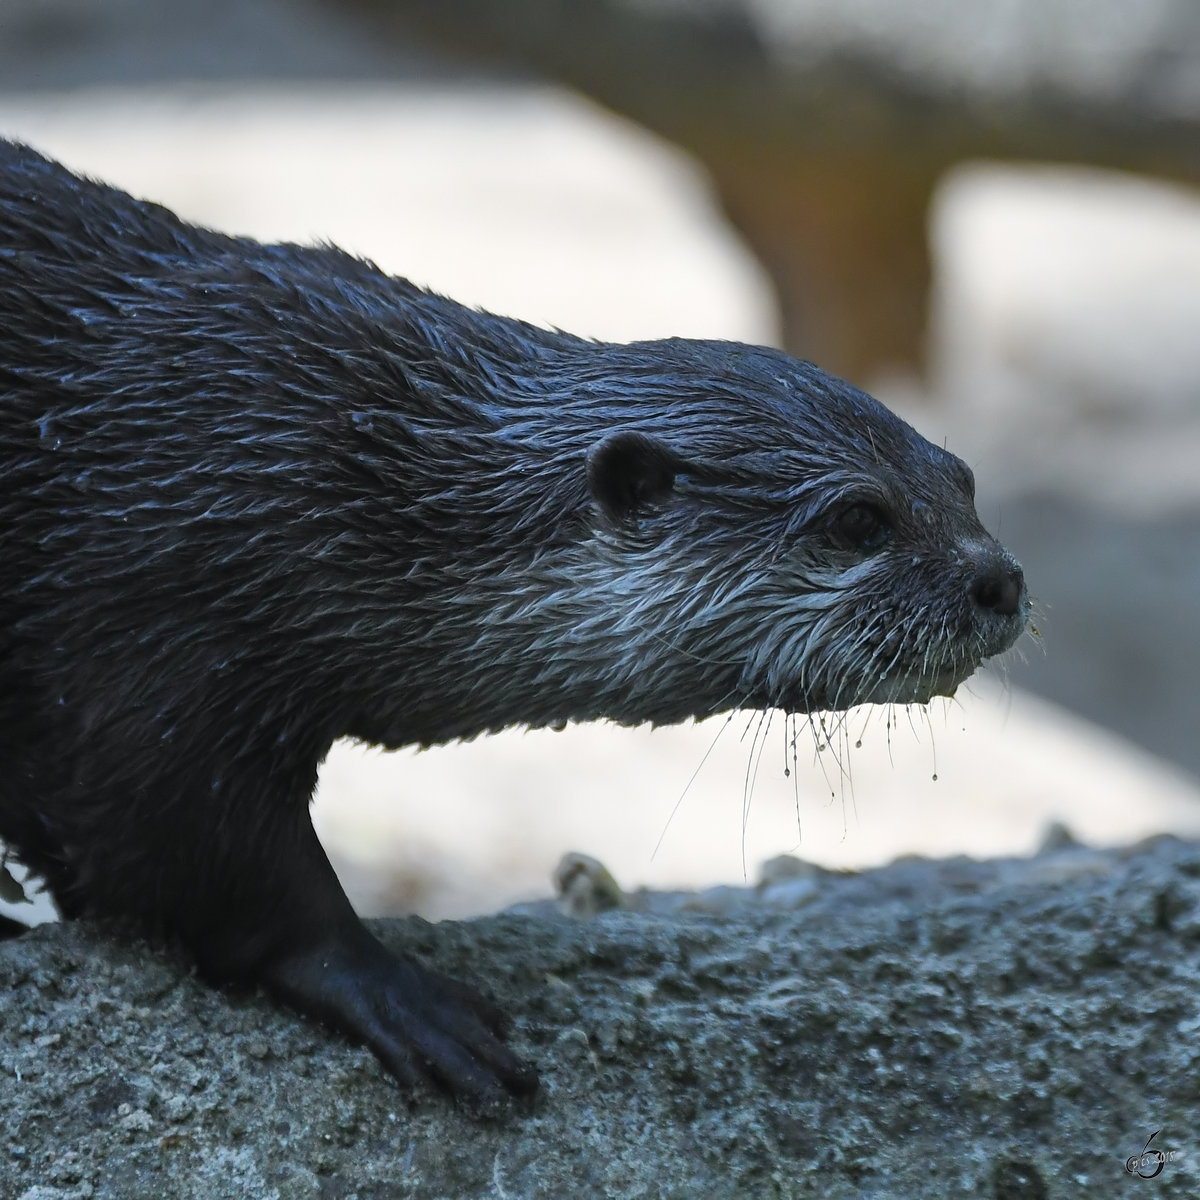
{"x":421,"y":1026}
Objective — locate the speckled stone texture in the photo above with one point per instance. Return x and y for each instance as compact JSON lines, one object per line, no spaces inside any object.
{"x":1008,"y":1029}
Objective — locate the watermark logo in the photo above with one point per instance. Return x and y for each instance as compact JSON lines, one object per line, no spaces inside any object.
{"x":1149,"y":1163}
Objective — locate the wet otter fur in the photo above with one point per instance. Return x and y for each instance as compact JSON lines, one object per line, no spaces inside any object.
{"x":254,"y":498}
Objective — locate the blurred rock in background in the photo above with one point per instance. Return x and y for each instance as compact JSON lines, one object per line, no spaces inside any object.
{"x":828,"y":124}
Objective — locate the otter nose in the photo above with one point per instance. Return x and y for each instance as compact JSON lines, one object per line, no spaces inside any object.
{"x":999,"y":589}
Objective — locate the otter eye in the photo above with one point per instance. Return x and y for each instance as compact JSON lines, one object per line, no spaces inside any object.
{"x":860,"y":526}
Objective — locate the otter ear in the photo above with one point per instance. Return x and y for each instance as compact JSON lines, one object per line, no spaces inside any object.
{"x":627,"y":472}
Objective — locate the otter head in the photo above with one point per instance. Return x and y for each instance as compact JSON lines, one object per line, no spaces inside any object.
{"x":783,"y":540}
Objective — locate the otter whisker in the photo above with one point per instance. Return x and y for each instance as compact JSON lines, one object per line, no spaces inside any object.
{"x":816,"y":728}
{"x":839,"y":749}
{"x":691,"y":780}
{"x":792,"y":768}
{"x":889,"y":725}
{"x":675,"y":648}
{"x":753,"y":761}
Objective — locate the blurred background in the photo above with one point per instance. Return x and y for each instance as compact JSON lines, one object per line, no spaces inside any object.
{"x":986,"y":213}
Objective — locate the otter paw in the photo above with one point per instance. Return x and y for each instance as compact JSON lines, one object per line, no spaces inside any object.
{"x":421,"y":1025}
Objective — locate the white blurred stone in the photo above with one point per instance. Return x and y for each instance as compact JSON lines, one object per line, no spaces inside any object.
{"x":1063,"y":333}
{"x":1103,"y":54}
{"x":526,"y":200}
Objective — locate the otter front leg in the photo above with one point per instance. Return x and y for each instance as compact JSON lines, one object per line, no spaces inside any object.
{"x":295,"y":932}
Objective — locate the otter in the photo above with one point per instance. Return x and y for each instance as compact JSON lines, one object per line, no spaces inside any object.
{"x":254,"y":498}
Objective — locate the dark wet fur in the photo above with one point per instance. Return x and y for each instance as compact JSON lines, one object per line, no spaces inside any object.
{"x":254,"y":498}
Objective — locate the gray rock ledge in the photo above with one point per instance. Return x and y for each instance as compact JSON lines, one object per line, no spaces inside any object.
{"x":1009,"y":1029}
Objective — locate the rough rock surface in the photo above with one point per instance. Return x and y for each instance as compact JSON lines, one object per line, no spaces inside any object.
{"x":1007,"y":1029}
